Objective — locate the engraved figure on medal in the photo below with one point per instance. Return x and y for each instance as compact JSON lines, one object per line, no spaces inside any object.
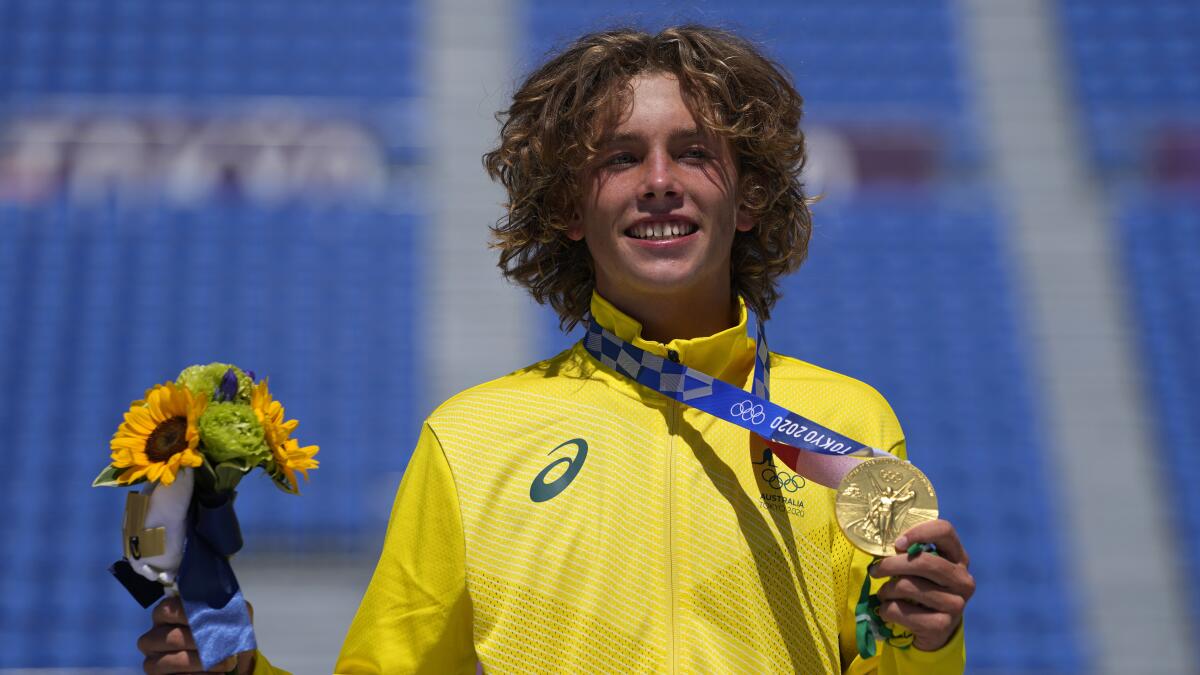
{"x":888,"y":508}
{"x":879,"y":500}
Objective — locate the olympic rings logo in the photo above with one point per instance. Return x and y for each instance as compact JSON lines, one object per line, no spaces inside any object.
{"x":748,"y":411}
{"x":785,"y":481}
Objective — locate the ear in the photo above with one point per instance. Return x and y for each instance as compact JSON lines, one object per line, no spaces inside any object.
{"x":744,"y":221}
{"x":575,"y":227}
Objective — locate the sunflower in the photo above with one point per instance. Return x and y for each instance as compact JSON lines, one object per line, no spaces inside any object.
{"x":290,"y":458}
{"x":270,"y":416}
{"x":159,"y":435}
{"x":286,"y":453}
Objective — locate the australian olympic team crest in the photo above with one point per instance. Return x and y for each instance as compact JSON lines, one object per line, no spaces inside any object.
{"x":749,"y":411}
{"x":782,"y":486}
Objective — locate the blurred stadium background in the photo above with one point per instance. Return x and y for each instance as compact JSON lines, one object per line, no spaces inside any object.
{"x":1008,"y":248}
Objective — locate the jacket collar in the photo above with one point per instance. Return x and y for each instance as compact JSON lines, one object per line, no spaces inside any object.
{"x":727,"y":355}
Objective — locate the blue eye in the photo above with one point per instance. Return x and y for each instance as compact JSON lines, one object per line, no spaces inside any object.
{"x":622,"y":158}
{"x":696,"y":153}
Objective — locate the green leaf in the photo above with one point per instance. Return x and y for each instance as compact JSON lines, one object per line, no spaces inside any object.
{"x":108,"y":478}
{"x":229,"y":474}
{"x":282,"y":483}
{"x":206,"y":478}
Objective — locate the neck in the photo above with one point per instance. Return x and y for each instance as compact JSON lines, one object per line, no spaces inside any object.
{"x":665,"y":318}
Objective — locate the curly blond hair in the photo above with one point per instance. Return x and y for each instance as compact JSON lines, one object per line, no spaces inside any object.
{"x":558,"y":115}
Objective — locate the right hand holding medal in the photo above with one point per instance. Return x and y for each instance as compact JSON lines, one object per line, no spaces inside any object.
{"x":882,"y":501}
{"x":926,"y":593}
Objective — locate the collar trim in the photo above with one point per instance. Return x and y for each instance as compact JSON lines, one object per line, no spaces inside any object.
{"x":727,"y":355}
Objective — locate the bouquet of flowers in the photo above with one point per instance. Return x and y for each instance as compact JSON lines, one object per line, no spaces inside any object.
{"x":189,"y":443}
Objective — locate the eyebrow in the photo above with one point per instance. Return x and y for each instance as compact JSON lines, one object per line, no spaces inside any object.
{"x":627,"y":136}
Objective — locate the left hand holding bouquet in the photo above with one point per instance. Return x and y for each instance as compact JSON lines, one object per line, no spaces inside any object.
{"x":190,"y":442}
{"x":169,"y":647}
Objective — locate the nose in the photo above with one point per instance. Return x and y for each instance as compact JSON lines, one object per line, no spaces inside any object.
{"x":659,"y":179}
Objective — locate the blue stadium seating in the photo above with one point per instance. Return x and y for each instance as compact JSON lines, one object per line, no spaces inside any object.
{"x":96,"y":305}
{"x":361,"y":50}
{"x":1160,"y":234}
{"x":861,"y":63}
{"x":1137,"y":66}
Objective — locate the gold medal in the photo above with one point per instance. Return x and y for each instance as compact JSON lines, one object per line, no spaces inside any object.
{"x":879,"y":500}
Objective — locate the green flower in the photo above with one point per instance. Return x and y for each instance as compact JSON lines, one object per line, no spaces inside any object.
{"x":230,"y":432}
{"x":206,"y":381}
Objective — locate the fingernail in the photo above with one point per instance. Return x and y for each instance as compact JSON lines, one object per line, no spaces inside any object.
{"x":902,"y":543}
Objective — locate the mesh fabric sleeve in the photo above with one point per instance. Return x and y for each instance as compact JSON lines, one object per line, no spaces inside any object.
{"x":416,"y":615}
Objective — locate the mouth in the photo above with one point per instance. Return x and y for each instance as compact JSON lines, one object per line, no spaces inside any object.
{"x":661,"y":230}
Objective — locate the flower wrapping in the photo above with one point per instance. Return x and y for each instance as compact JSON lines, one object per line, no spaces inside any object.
{"x":169,"y":510}
{"x":189,"y":443}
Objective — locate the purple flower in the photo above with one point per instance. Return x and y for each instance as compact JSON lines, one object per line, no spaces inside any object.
{"x":229,"y":386}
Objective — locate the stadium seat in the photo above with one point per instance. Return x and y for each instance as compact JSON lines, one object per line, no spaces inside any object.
{"x":98,"y":304}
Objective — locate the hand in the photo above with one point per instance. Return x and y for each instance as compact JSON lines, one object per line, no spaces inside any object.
{"x":926,"y":593}
{"x":169,"y":647}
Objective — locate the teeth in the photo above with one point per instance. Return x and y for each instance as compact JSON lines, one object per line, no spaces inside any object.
{"x":668,"y":230}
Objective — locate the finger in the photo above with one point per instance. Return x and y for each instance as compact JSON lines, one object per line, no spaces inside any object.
{"x":165,"y":637}
{"x":924,"y":593}
{"x":921,"y":621}
{"x":940,"y":533}
{"x":952,"y":577}
{"x":172,"y":662}
{"x":183,"y":662}
{"x":170,"y":611}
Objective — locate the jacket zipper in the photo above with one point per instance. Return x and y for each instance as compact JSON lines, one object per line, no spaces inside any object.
{"x":672,"y":424}
{"x":673,"y":420}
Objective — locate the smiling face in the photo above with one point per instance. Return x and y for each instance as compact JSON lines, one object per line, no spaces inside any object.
{"x":659,"y":207}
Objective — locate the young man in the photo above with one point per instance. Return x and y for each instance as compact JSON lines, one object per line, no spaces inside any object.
{"x":566,"y":517}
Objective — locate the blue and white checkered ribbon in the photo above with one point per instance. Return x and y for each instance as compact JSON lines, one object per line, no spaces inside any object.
{"x":753,"y":411}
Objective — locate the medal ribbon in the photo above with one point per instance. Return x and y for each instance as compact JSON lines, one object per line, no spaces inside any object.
{"x":870,"y":628}
{"x":211,"y":595}
{"x":786,"y":432}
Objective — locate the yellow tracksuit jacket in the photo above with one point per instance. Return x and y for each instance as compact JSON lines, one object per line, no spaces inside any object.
{"x":565,"y":519}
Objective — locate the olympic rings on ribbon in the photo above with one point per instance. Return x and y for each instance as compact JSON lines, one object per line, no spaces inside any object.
{"x":748,"y":411}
